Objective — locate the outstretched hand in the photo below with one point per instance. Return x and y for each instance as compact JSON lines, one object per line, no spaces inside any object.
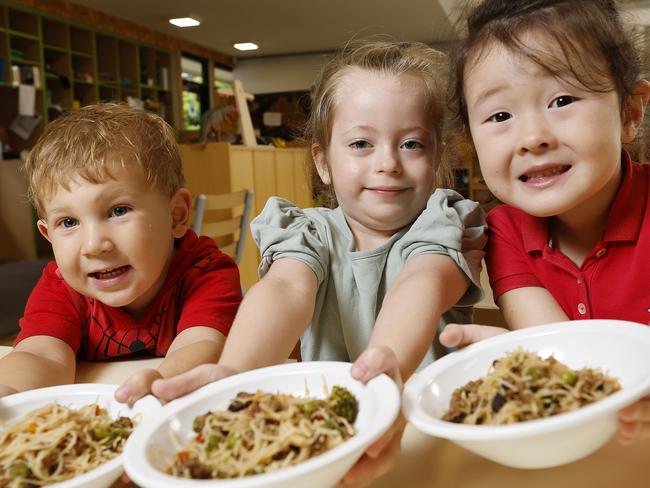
{"x":176,"y":386}
{"x":461,"y":335}
{"x":634,"y":422}
{"x":382,"y":455}
{"x":137,"y":386}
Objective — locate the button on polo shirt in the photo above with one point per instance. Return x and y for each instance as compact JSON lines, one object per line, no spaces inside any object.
{"x":614,"y":277}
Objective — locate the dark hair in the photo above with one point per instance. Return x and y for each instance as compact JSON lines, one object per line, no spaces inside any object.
{"x":592,"y":45}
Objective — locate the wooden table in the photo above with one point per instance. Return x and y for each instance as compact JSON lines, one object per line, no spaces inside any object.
{"x":429,"y":462}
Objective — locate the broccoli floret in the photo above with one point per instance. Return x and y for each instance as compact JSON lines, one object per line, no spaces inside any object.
{"x":343,"y":403}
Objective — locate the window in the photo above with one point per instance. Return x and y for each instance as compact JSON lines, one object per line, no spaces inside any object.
{"x":196,"y":98}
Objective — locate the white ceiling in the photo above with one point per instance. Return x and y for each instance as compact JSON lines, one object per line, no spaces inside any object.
{"x":283,"y":27}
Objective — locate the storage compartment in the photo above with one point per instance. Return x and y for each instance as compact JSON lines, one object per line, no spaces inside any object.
{"x":57,"y":62}
{"x":24,"y":22}
{"x":128,"y":66}
{"x":83,"y":68}
{"x":106,"y":59}
{"x":84,"y":93}
{"x":55,"y":34}
{"x":24,"y":50}
{"x":81,"y":40}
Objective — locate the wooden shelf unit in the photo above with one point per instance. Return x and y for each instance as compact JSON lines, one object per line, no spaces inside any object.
{"x":78,"y":65}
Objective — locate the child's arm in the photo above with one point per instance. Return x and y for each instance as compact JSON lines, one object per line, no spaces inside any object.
{"x":268,"y":324}
{"x":428,"y":286}
{"x":272,"y":316}
{"x":521,"y":307}
{"x":37,"y":362}
{"x":190,"y":348}
{"x":528,"y":306}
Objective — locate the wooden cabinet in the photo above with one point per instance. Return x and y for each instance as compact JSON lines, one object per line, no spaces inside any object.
{"x":17,"y":222}
{"x":221,"y":168}
{"x":76,"y":66}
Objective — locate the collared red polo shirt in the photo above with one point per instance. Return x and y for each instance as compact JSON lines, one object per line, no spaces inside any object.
{"x":612,"y":282}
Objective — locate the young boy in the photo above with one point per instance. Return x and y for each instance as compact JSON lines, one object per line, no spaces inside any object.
{"x":129,"y":277}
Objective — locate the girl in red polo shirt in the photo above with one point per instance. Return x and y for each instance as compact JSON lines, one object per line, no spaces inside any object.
{"x":550,"y":90}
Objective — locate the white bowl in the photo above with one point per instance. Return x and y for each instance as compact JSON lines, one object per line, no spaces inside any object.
{"x":149,"y":450}
{"x":621,"y":349}
{"x":13,"y":407}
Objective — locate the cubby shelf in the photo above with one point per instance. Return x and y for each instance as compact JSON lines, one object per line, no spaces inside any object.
{"x":77,"y":64}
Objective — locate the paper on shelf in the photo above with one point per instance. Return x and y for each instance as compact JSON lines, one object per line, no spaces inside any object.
{"x":272,"y":119}
{"x":26,"y":100}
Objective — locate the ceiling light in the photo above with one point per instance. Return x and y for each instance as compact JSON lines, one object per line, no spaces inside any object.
{"x":184,"y":22}
{"x":245,"y":46}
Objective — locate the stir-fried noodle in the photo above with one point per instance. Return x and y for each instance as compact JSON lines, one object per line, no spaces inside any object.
{"x":262,"y":432}
{"x":55,"y":443}
{"x":522,"y":386}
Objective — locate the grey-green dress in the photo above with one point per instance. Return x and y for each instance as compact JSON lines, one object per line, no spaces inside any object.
{"x":352,"y":284}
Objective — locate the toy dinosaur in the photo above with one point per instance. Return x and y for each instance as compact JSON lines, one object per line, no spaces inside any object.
{"x":213,"y":118}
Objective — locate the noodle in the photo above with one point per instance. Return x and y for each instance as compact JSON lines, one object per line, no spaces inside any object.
{"x":522,"y":386}
{"x":262,"y":432}
{"x":55,"y":443}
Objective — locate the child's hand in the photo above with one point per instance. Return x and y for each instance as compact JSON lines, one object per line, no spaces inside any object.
{"x":7,"y":390}
{"x":382,"y":455}
{"x":137,"y":386}
{"x":461,"y":335}
{"x":176,"y":386}
{"x":634,"y":422}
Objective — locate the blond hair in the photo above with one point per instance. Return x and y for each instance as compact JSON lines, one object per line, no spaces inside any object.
{"x":386,"y":58}
{"x":88,"y":143}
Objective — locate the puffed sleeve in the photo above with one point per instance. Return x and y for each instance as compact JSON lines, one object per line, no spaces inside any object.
{"x":283,"y":230}
{"x":452,"y":225}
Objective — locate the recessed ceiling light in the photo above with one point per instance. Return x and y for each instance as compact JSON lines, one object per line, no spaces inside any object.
{"x":245,"y":46}
{"x":184,"y":22}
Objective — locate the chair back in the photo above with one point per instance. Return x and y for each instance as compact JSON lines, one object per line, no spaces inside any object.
{"x":224,"y":217}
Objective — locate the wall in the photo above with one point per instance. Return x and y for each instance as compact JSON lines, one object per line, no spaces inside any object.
{"x":279,"y":74}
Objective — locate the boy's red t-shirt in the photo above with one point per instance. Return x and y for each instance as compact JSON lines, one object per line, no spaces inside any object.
{"x":202,"y":289}
{"x":612,"y":281}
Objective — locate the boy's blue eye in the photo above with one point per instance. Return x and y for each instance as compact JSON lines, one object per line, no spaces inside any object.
{"x":68,"y":222}
{"x":500,"y":117}
{"x":119,"y":211}
{"x":411,"y":145}
{"x":562,"y":101}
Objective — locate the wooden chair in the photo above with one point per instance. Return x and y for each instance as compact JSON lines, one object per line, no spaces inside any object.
{"x":224,"y":217}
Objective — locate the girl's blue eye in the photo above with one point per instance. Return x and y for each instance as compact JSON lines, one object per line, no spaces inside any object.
{"x":562,"y":101}
{"x":500,"y":117}
{"x":411,"y":145}
{"x":119,"y":211}
{"x":359,"y":145}
{"x":68,"y":222}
